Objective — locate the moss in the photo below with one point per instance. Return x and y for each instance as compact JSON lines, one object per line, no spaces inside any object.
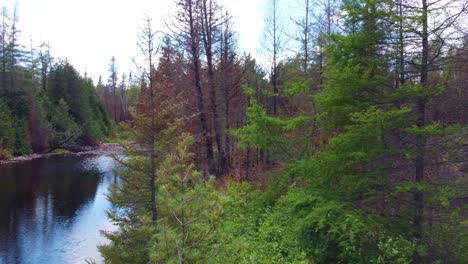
{"x":59,"y":150}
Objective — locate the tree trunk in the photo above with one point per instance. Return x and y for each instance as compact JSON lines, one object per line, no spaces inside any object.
{"x":306,"y":39}
{"x":207,"y":144}
{"x":420,"y":139}
{"x":208,"y":25}
{"x":275,"y":65}
{"x":154,"y":209}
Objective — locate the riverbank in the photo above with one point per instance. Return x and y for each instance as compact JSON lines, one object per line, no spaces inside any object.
{"x":103,"y":148}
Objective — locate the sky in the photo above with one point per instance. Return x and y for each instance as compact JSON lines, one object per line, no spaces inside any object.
{"x":89,"y":32}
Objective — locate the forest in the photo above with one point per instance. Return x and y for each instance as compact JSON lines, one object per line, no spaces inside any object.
{"x":45,"y":105}
{"x":345,"y":142}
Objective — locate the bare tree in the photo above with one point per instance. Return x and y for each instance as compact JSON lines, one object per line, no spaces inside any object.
{"x":112,"y":83}
{"x":123,"y":99}
{"x":149,"y":49}
{"x":45,"y":61}
{"x":186,"y":30}
{"x":274,"y":46}
{"x":212,"y":19}
{"x":304,"y":35}
{"x":230,"y":82}
{"x":10,"y":54}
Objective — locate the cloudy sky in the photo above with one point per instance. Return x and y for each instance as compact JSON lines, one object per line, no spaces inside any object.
{"x":89,"y":32}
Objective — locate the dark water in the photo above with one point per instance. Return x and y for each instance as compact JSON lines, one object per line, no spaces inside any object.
{"x":52,"y":209}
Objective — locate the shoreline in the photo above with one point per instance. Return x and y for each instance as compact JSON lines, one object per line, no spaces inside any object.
{"x":103,"y":148}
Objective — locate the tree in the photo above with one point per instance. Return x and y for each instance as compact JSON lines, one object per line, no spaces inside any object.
{"x":112,"y":83}
{"x":6,"y":131}
{"x":354,"y":148}
{"x":231,"y":98}
{"x":46,"y":62}
{"x":65,"y":128}
{"x":360,"y":94}
{"x":211,"y":21}
{"x":190,"y":209}
{"x":427,"y":31}
{"x":274,"y":47}
{"x":304,"y":24}
{"x":39,"y":128}
{"x":149,"y":111}
{"x":11,"y":53}
{"x":327,"y":18}
{"x":123,"y":98}
{"x":186,"y":31}
{"x":97,"y":124}
{"x":79,"y":94}
{"x":155,"y":125}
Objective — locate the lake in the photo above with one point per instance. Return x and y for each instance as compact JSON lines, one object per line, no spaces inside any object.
{"x":52,"y":209}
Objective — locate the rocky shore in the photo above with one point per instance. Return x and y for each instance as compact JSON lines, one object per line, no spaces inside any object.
{"x":103,"y":148}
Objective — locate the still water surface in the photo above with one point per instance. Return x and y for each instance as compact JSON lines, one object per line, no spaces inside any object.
{"x":52,"y":209}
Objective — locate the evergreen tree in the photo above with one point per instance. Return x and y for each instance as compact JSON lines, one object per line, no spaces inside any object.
{"x":156,"y":124}
{"x":65,"y":128}
{"x":6,"y":131}
{"x":85,"y":108}
{"x":189,"y":211}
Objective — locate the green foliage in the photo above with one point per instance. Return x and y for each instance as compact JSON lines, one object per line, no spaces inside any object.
{"x":121,"y":133}
{"x":130,"y":243}
{"x":21,"y":146}
{"x":155,"y":130}
{"x":355,"y":69}
{"x":62,"y":123}
{"x":297,"y":86}
{"x":261,"y":130}
{"x":42,"y":118}
{"x":14,"y":110}
{"x":411,"y":91}
{"x":17,"y":102}
{"x":436,"y":129}
{"x":61,"y":151}
{"x":131,"y":212}
{"x":347,"y":168}
{"x":64,"y":83}
{"x":268,"y":132}
{"x":302,"y":227}
{"x":190,"y":209}
{"x":132,"y":94}
{"x":396,"y":250}
{"x":349,"y":200}
{"x":7,"y":132}
{"x":80,"y":96}
{"x":332,"y":233}
{"x":447,"y":242}
{"x":97,"y":124}
{"x":252,"y":233}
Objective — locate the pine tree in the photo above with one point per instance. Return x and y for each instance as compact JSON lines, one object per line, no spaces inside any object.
{"x":155,"y":125}
{"x":190,"y":210}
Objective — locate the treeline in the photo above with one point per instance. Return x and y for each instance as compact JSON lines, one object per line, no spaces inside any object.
{"x":349,"y":146}
{"x":44,"y":103}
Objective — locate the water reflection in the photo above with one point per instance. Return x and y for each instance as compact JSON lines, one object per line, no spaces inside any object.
{"x":51,"y":209}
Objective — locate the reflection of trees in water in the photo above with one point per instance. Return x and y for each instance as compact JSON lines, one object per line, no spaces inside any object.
{"x":72,"y":187}
{"x":40,"y":196}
